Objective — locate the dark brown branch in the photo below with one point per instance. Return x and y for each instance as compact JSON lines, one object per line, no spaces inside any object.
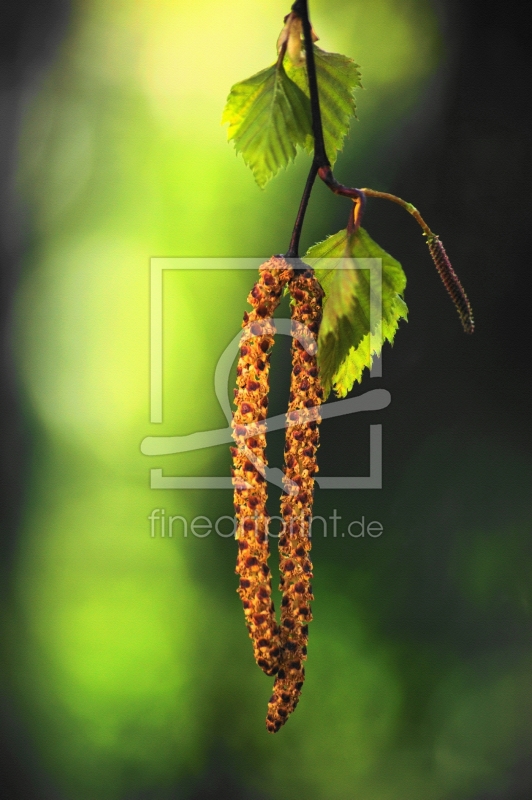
{"x":321,"y":164}
{"x":293,"y":250}
{"x":300,"y":8}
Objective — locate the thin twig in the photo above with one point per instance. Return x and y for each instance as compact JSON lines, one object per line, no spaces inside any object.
{"x":293,"y":250}
{"x":321,"y":164}
{"x":357,"y":195}
{"x":300,"y":8}
{"x":407,"y":206}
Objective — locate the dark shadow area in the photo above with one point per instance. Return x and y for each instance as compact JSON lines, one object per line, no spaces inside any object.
{"x":30,"y":31}
{"x":458,"y":434}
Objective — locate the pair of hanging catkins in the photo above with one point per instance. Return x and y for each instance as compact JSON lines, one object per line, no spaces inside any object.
{"x":280,"y":649}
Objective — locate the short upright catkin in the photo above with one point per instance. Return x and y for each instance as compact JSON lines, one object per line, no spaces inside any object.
{"x":249,"y":462}
{"x":301,"y":443}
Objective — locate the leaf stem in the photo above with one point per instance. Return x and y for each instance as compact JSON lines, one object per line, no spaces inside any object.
{"x":282,"y":53}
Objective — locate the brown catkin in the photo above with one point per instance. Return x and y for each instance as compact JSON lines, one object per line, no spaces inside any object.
{"x":249,"y":462}
{"x":451,"y":282}
{"x":301,"y":443}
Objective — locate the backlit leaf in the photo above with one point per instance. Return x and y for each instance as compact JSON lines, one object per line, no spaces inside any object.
{"x":268,"y":116}
{"x":362,"y":306}
{"x":338,"y":77}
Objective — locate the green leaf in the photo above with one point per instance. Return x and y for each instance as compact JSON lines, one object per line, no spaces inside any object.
{"x":360,"y":312}
{"x":338,"y":77}
{"x":268,"y":117}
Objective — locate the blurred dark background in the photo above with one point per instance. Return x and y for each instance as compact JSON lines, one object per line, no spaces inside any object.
{"x":29,"y":35}
{"x":457,"y":436}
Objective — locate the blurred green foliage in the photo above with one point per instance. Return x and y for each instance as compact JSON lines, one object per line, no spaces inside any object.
{"x":128,"y":653}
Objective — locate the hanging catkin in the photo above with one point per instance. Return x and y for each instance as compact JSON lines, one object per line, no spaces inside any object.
{"x":301,"y":443}
{"x":451,"y":282}
{"x":249,"y":462}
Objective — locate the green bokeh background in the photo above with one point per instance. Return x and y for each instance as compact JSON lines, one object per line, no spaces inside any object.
{"x":128,"y":654}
